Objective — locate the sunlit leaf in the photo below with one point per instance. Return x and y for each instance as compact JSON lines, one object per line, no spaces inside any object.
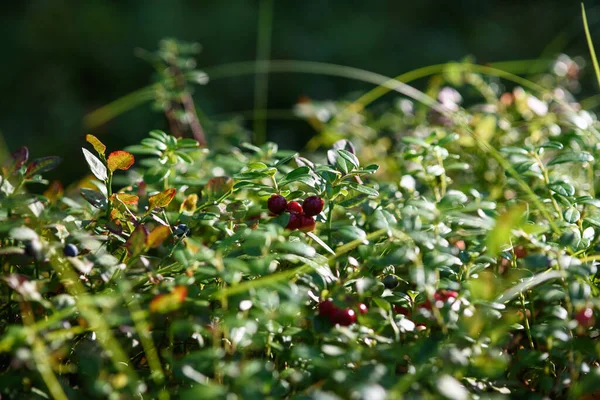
{"x":96,"y":166}
{"x":161,"y":199}
{"x":119,"y":159}
{"x":157,"y":236}
{"x":96,"y":143}
{"x":164,"y":303}
{"x":125,"y":198}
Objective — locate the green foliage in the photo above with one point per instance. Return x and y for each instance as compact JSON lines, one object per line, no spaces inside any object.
{"x":469,"y":232}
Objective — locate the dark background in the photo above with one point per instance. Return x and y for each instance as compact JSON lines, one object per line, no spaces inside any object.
{"x":63,"y":59}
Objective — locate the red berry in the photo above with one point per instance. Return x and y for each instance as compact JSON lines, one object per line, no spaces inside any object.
{"x":277,"y":204}
{"x":294,"y":207}
{"x":313,"y":205}
{"x":344,"y":317}
{"x":307,"y":224}
{"x":520,"y":252}
{"x":585,"y":317}
{"x":327,"y":308}
{"x":294,"y":222}
{"x":362,"y":308}
{"x":402,"y":310}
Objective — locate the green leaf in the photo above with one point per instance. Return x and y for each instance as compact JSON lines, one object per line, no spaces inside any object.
{"x":572,"y":215}
{"x":320,"y":242}
{"x":96,"y":166}
{"x":159,"y":135}
{"x":143,"y":150}
{"x":187,"y":143}
{"x":580,"y":156}
{"x":364,"y":189}
{"x":562,"y":188}
{"x":351,"y":232}
{"x":551,"y":145}
{"x":156,"y":174}
{"x":154,"y":144}
{"x":500,"y":235}
{"x":349,"y":157}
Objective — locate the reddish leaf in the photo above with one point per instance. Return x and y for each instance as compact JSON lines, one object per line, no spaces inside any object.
{"x":119,"y":160}
{"x":157,"y":236}
{"x":40,"y":165}
{"x":164,"y":303}
{"x":161,"y":199}
{"x":137,"y":240}
{"x":96,"y":143}
{"x":19,"y":157}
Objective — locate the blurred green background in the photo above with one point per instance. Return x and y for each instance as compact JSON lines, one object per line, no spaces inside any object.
{"x":63,"y":59}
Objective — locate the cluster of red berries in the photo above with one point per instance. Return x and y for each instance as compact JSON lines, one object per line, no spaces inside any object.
{"x":342,"y":316}
{"x":301,"y":216}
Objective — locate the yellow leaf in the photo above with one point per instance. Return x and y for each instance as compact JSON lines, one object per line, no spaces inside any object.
{"x":164,"y":303}
{"x":119,"y":160}
{"x":96,"y":143}
{"x":161,"y":199}
{"x":189,"y":204}
{"x":157,"y":236}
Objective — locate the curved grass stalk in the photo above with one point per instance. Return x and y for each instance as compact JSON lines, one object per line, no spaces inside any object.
{"x":288,"y":274}
{"x":590,"y":43}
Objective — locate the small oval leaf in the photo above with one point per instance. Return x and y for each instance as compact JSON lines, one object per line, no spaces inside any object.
{"x":120,"y":159}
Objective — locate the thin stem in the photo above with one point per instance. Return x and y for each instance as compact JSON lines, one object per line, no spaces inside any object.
{"x":527,"y":327}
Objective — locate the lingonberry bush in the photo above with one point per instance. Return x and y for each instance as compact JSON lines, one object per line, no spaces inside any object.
{"x":419,"y":251}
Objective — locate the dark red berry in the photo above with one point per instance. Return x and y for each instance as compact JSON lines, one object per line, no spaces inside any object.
{"x":277,"y":204}
{"x":307,"y":224}
{"x":294,"y":207}
{"x":294,"y":222}
{"x":362,"y":308}
{"x":327,"y":308}
{"x":344,"y":317}
{"x":402,"y":310}
{"x":313,"y":205}
{"x":585,"y":317}
{"x":520,"y":252}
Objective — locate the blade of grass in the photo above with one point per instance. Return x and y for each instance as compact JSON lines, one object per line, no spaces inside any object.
{"x":143,"y":329}
{"x":588,"y":37}
{"x":96,"y":321}
{"x":261,"y":78}
{"x":40,"y":355}
{"x":288,"y":274}
{"x":118,"y":107}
